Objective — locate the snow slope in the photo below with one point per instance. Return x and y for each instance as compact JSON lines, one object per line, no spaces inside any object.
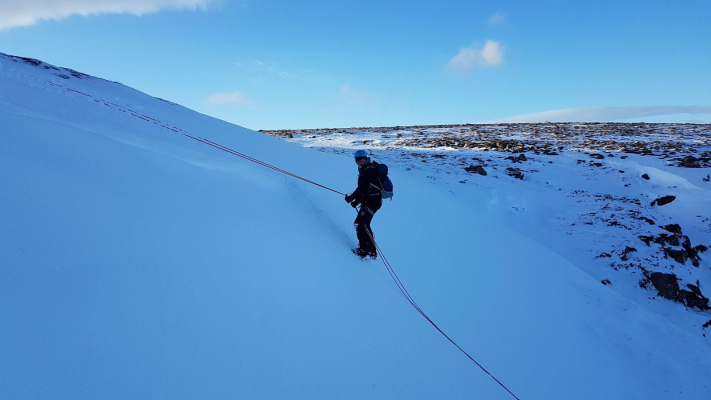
{"x":140,"y":263}
{"x":583,"y":190}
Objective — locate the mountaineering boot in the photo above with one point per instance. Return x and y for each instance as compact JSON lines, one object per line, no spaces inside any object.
{"x":362,"y":253}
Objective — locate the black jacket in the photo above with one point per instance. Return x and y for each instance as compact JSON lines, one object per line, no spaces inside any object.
{"x":368,"y":190}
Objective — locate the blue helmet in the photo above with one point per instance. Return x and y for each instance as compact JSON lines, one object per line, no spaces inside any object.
{"x":361,"y":153}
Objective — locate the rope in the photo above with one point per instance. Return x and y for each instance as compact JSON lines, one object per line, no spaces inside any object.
{"x":390,"y":269}
{"x":254,"y":160}
{"x":409,"y":298}
{"x":199,"y":139}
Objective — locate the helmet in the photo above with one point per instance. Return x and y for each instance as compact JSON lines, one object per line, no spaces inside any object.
{"x":361,"y":153}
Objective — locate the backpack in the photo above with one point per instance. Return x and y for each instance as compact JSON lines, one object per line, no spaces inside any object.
{"x":386,"y":185}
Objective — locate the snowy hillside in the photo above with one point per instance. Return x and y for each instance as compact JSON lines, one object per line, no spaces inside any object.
{"x":139,"y":262}
{"x":627,"y":203}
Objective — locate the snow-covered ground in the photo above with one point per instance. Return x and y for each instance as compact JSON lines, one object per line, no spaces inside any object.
{"x":584,"y":191}
{"x":138,"y":262}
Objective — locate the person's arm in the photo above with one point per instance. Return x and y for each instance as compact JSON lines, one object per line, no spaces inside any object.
{"x":362,"y":190}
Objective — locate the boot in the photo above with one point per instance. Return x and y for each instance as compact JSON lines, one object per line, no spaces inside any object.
{"x":363,"y":253}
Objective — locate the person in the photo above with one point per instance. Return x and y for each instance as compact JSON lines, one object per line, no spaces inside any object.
{"x":369,"y":197}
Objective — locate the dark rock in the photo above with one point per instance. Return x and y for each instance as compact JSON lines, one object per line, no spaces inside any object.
{"x":686,"y":244}
{"x":677,"y":255}
{"x":644,"y":282}
{"x":672,"y":240}
{"x":648,"y":220}
{"x":663,"y":200}
{"x":661,"y":239}
{"x":687,"y":251}
{"x":673,"y":228}
{"x":606,"y":282}
{"x":694,"y":288}
{"x":666,"y":284}
{"x":521,"y":157}
{"x":693,"y":299}
{"x":515,"y":173}
{"x":30,"y":61}
{"x":645,"y":177}
{"x":626,"y":252}
{"x":707,"y":179}
{"x":597,"y":156}
{"x":690,"y":162}
{"x":478,"y":169}
{"x":646,"y":239}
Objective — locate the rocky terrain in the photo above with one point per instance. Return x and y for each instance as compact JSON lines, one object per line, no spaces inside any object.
{"x":627,"y":202}
{"x":685,"y":144}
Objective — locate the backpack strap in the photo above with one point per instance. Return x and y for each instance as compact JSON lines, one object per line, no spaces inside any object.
{"x":377,"y":173}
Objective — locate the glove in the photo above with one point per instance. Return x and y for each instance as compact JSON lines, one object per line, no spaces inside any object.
{"x":348,"y":198}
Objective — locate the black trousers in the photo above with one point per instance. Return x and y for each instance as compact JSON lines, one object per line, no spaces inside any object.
{"x":362,"y":225}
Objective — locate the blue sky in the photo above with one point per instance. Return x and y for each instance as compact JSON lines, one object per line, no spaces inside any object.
{"x":270,"y":64}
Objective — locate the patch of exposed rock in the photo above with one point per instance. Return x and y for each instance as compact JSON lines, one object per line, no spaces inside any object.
{"x":667,"y":286}
{"x":676,"y":246}
{"x":476,"y":170}
{"x":664,"y":200}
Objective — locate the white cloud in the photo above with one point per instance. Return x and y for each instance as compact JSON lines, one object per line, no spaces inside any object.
{"x":16,"y":13}
{"x":496,"y":19}
{"x":490,"y":55}
{"x":230,"y":98}
{"x":606,"y":114}
{"x":463,"y":61}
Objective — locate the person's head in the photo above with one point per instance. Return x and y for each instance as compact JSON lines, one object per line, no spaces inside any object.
{"x":361,"y":157}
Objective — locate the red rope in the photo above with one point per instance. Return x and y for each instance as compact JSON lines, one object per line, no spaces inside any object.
{"x":391,"y":271}
{"x":202,"y":140}
{"x":409,"y":298}
{"x":254,"y":160}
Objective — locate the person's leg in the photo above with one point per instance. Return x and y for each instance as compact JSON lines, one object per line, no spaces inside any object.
{"x":362,"y":224}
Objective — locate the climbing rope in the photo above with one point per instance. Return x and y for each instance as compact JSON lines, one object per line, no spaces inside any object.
{"x":184,"y":133}
{"x":389,"y":268}
{"x":254,"y":160}
{"x":409,"y":298}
